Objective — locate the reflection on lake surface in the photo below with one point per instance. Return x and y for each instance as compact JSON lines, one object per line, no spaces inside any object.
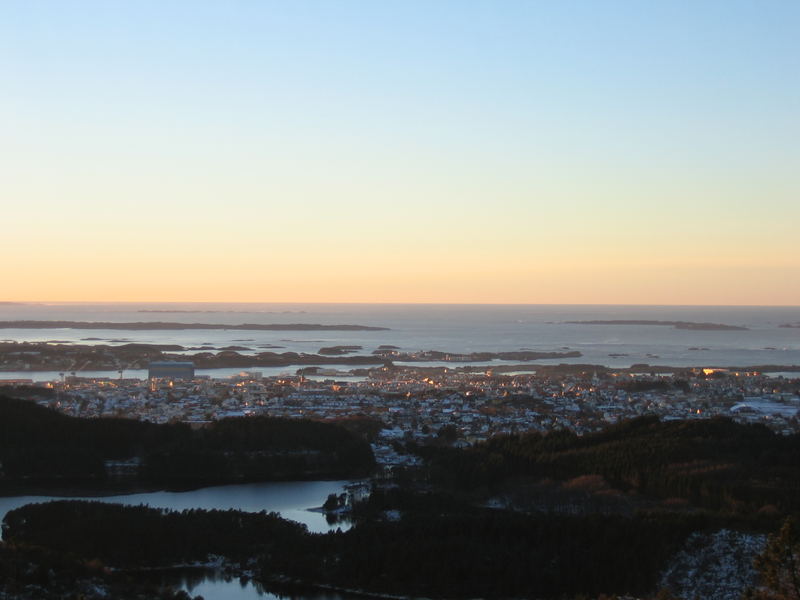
{"x":215,"y":585}
{"x":291,"y":499}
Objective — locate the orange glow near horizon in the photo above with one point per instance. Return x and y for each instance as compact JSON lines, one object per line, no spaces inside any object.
{"x":556,"y":285}
{"x":373,"y":152}
{"x":558,"y":250}
{"x":466,"y":263}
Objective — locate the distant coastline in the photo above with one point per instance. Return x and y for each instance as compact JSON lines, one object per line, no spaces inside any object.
{"x":163,"y":325}
{"x":47,"y":356}
{"x":177,"y":311}
{"x":676,"y":324}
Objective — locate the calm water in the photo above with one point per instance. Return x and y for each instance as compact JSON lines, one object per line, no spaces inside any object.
{"x":291,"y":499}
{"x":454,"y":328}
{"x":214,"y":585}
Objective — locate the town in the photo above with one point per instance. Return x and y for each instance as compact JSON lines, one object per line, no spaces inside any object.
{"x":436,"y":405}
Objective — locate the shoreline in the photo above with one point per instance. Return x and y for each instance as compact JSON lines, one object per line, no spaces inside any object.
{"x":498,"y":369}
{"x":217,"y":565}
{"x":687,"y":325}
{"x":62,"y":490}
{"x":49,"y":356}
{"x":171,"y":326}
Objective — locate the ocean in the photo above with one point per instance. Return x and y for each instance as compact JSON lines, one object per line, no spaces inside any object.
{"x":448,"y":328}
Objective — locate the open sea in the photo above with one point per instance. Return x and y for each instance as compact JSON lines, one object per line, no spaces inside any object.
{"x":448,"y":328}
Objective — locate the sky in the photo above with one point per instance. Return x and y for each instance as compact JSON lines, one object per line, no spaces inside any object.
{"x":598,"y":152}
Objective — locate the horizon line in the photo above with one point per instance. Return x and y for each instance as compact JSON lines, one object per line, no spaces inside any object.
{"x":393,"y":303}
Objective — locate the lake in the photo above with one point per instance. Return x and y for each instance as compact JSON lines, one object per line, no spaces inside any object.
{"x":215,"y":585}
{"x":291,"y":499}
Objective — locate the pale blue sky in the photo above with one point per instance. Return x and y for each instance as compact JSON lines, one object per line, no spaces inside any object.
{"x":633,"y":134}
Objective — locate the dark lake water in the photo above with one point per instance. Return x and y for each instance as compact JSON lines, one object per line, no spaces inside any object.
{"x":215,"y":585}
{"x":291,"y":499}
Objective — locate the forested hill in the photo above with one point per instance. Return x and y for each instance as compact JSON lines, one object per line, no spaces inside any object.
{"x":415,"y":538}
{"x":477,"y":553}
{"x":43,"y":446}
{"x":712,"y":463}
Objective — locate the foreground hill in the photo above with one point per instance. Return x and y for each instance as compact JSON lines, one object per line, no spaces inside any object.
{"x":437,"y":532}
{"x":461,"y":553}
{"x":41,"y":446}
{"x":711,"y":464}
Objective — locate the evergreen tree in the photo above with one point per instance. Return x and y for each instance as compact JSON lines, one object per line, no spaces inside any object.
{"x":779,"y":565}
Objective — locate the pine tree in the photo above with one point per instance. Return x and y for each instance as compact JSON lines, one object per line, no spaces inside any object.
{"x":779,"y":565}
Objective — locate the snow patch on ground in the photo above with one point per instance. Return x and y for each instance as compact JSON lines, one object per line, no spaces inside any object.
{"x":714,"y":566}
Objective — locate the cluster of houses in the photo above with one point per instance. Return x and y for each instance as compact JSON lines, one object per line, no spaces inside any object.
{"x":454,"y":407}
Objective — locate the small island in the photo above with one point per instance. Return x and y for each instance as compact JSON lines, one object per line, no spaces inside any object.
{"x":45,"y":356}
{"x":339,"y":350}
{"x":676,"y":324}
{"x":437,"y":355}
{"x":209,"y":311}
